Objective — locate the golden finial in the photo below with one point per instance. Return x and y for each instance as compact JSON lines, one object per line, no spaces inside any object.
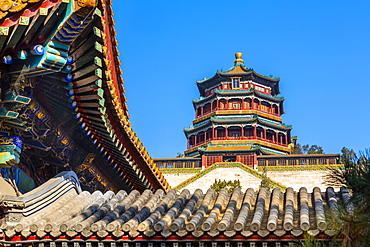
{"x":238,"y":58}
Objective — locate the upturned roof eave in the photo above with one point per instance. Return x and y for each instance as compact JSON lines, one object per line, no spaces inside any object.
{"x":203,"y":84}
{"x":252,"y":120}
{"x":219,"y":92}
{"x":246,"y":72}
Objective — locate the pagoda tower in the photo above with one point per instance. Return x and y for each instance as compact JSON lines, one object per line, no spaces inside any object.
{"x":237,"y":117}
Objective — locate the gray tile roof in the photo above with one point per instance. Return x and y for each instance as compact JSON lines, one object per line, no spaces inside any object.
{"x":60,"y":209}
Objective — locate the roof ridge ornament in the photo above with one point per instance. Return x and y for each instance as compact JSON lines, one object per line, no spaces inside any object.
{"x":238,"y":58}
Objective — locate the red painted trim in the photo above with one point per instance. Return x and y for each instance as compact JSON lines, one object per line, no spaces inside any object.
{"x":112,"y":51}
{"x":16,"y":238}
{"x":174,"y":237}
{"x":13,"y":20}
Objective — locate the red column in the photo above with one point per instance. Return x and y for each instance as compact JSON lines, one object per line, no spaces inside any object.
{"x":213,"y":133}
{"x":227,"y":104}
{"x":195,"y":140}
{"x":255,"y":160}
{"x":255,"y":132}
{"x":277,"y":138}
{"x":242,"y":132}
{"x":286,"y":139}
{"x":252,"y":103}
{"x":204,"y":161}
{"x":202,"y":110}
{"x":278,"y":110}
{"x":205,"y":136}
{"x":226,"y":133}
{"x":264,"y":133}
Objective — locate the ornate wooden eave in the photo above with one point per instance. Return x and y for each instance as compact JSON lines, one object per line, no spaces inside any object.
{"x":75,"y":83}
{"x":9,"y":7}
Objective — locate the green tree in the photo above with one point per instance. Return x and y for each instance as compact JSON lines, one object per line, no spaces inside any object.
{"x":179,"y":155}
{"x":352,"y":218}
{"x":266,"y":182}
{"x":313,"y":149}
{"x":347,"y":154}
{"x":307,"y":149}
{"x":297,"y":149}
{"x":229,"y":185}
{"x":311,"y":241}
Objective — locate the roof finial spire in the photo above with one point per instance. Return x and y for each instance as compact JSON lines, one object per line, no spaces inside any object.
{"x":238,"y":58}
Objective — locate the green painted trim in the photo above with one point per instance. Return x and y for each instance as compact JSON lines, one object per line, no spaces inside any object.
{"x":301,"y":168}
{"x":228,"y":165}
{"x":4,"y":113}
{"x":98,"y":12}
{"x":180,"y":170}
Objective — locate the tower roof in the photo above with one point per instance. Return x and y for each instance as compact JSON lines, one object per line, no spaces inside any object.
{"x":238,"y":58}
{"x":239,"y":70}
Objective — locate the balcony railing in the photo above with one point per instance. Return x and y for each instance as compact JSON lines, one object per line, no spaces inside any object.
{"x":218,"y":138}
{"x":298,"y":160}
{"x":238,"y":109}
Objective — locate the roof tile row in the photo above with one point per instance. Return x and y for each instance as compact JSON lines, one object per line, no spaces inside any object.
{"x":72,"y":213}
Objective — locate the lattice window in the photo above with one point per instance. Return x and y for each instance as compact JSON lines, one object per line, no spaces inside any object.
{"x":212,"y":159}
{"x":247,"y":160}
{"x":261,"y":162}
{"x":291,"y":162}
{"x":322,"y":161}
{"x":281,"y":162}
{"x":272,"y":162}
{"x":312,"y":161}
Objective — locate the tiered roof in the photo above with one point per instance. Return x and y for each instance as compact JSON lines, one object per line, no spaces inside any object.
{"x":248,"y":84}
{"x":240,"y":70}
{"x":248,"y":119}
{"x":220,"y":92}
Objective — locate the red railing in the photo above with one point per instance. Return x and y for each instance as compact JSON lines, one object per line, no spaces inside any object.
{"x":236,"y":138}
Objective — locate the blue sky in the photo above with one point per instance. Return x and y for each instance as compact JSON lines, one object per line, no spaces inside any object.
{"x":319,"y":49}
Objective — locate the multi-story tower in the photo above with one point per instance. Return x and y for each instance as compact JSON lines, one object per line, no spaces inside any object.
{"x":238,"y":117}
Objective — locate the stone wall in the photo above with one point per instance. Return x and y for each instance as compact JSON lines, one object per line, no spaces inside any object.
{"x":177,"y":178}
{"x":294,"y":179}
{"x":246,"y":180}
{"x":298,"y":179}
